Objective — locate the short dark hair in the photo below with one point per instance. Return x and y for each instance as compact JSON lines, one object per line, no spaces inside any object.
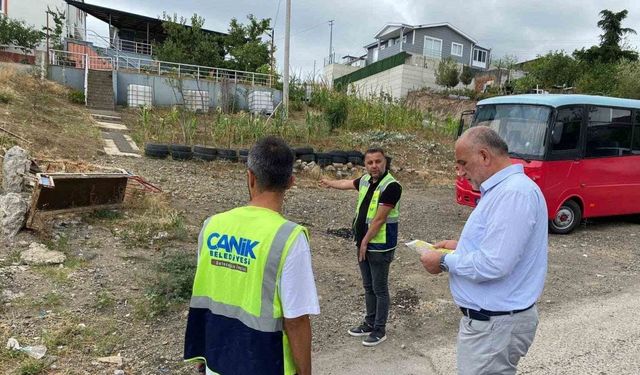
{"x":374,"y":150}
{"x":271,"y":161}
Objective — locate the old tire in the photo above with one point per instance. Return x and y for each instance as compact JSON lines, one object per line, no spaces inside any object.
{"x":566,"y":218}
{"x":325,"y":162}
{"x":179,"y":148}
{"x":204,"y":157}
{"x":227,"y":154}
{"x":203,"y":150}
{"x":355,"y":160}
{"x":303,"y":151}
{"x":156,"y":150}
{"x":308,"y":157}
{"x":181,"y":155}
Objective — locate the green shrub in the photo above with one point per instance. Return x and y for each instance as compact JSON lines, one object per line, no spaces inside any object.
{"x":76,"y":97}
{"x":337,"y":111}
{"x":5,"y":97}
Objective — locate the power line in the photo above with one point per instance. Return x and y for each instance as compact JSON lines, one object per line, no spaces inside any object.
{"x":277,"y":14}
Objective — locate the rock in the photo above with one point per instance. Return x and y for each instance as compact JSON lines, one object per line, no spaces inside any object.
{"x":118,"y":372}
{"x":395,"y":169}
{"x":39,"y":254}
{"x":349,"y":165}
{"x":13,"y":212}
{"x":15,"y":167}
{"x":161,"y":235}
{"x":311,"y":164}
{"x":114,"y":359}
{"x":330,"y":168}
{"x":316,"y":172}
{"x":338,"y":165}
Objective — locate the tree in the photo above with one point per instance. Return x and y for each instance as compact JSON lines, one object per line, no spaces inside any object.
{"x":553,"y":69}
{"x":466,"y":76}
{"x":17,"y":33}
{"x":244,"y":44}
{"x":447,"y":73}
{"x":609,"y":50}
{"x":55,"y":34}
{"x":189,"y":45}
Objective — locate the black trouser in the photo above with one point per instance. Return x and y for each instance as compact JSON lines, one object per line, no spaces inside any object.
{"x":375,"y":276}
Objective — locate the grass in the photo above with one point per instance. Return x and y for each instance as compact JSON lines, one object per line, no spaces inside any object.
{"x":152,"y":214}
{"x":32,"y":367}
{"x":106,"y":215}
{"x":104,"y":301}
{"x":170,"y":285}
{"x":51,"y":300}
{"x":99,"y":338}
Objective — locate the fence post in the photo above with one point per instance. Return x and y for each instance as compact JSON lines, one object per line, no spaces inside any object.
{"x":235,"y":77}
{"x":253,"y":79}
{"x":198,"y":72}
{"x":86,"y":78}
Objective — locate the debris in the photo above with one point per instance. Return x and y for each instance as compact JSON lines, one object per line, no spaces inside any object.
{"x":114,"y":359}
{"x":13,"y":211}
{"x":39,"y":254}
{"x":14,"y":135}
{"x":118,"y":372}
{"x":15,"y":167}
{"x":36,"y":351}
{"x":346,"y":233}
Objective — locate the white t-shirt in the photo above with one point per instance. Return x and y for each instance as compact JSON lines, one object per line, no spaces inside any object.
{"x":297,"y":286}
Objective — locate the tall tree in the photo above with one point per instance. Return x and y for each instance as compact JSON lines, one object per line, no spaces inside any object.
{"x":447,"y":74}
{"x":609,"y":50}
{"x":189,"y":45}
{"x":245,"y":45}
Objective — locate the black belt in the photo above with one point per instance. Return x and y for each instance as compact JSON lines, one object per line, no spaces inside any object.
{"x":486,"y":314}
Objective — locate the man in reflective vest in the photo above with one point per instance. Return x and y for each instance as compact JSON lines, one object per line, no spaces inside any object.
{"x":376,"y":234}
{"x":254,"y":289}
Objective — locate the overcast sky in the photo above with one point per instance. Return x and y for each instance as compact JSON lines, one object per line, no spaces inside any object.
{"x":524,"y":28}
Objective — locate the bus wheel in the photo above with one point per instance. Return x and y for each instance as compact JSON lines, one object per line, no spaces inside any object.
{"x":567,"y":218}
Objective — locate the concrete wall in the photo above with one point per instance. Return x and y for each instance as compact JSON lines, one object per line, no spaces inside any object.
{"x":418,"y":72}
{"x":68,"y":76}
{"x":164,"y":94}
{"x":161,"y":89}
{"x":333,"y":71}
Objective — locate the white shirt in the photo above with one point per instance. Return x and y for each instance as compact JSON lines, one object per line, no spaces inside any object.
{"x":297,"y":285}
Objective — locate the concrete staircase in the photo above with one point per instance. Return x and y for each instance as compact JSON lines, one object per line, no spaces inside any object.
{"x":100,"y":90}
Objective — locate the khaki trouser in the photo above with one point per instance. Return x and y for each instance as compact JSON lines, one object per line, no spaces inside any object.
{"x":494,"y":347}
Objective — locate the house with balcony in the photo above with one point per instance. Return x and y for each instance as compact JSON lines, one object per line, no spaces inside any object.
{"x":405,"y":57}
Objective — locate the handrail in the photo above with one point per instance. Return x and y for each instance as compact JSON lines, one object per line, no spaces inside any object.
{"x":192,"y":71}
{"x":117,"y":43}
{"x":79,"y":60}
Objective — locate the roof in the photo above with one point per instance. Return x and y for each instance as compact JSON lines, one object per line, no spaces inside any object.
{"x":424,"y":26}
{"x":125,"y":20}
{"x":557,"y":100}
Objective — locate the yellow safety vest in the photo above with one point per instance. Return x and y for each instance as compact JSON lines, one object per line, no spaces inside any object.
{"x":235,"y":319}
{"x":387,"y":237}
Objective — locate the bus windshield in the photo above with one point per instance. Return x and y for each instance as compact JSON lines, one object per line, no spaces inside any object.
{"x":522,"y":126}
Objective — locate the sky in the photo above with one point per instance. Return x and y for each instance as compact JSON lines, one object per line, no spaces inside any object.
{"x":520,"y":28}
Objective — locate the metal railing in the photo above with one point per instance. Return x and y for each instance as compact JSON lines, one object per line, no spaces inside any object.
{"x":116,"y":43}
{"x":192,"y":71}
{"x":79,"y":60}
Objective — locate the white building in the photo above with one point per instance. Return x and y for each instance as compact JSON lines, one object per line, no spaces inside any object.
{"x":33,"y":13}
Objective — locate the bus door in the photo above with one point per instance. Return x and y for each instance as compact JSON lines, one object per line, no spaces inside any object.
{"x":562,"y":169}
{"x":610,"y":172}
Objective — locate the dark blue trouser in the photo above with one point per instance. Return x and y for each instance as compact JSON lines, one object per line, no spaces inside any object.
{"x":375,"y":276}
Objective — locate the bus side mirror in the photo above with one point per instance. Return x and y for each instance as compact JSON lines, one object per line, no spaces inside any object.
{"x":460,"y":127}
{"x":556,"y":134}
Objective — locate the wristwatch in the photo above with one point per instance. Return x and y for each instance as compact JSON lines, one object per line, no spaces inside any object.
{"x":443,"y":265}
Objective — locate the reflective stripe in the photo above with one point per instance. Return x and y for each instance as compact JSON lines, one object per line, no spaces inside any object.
{"x":390,"y":220}
{"x":201,"y":235}
{"x":262,"y":324}
{"x":271,"y":268}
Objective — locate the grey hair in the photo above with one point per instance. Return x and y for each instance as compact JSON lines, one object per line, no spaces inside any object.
{"x":271,"y":161}
{"x":487,"y":137}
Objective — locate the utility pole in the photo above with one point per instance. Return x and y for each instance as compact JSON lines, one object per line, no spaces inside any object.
{"x":285,"y":75}
{"x":331,"y":41}
{"x":273,"y":49}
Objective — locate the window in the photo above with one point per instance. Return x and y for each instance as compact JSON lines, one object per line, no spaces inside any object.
{"x":432,"y":47}
{"x":456,"y":49}
{"x":404,"y":39}
{"x":608,"y":132}
{"x":566,"y":131}
{"x":383,"y":46}
{"x":391,"y":42}
{"x":635,"y":148}
{"x":479,"y":56}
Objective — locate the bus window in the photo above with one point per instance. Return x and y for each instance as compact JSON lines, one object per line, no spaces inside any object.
{"x":635,"y":147}
{"x":566,"y":132}
{"x":608,"y":132}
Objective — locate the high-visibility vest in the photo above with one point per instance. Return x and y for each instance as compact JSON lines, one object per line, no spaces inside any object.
{"x":387,"y":237}
{"x":235,"y":321}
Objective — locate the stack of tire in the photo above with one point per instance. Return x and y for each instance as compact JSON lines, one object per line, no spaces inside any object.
{"x":205,"y":153}
{"x":305,"y":154}
{"x":156,"y":150}
{"x":244,"y":155}
{"x":355,"y":157}
{"x":180,"y":152}
{"x":227,"y":154}
{"x":324,"y":159}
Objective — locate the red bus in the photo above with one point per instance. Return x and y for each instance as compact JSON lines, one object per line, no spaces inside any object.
{"x":582,"y":150}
